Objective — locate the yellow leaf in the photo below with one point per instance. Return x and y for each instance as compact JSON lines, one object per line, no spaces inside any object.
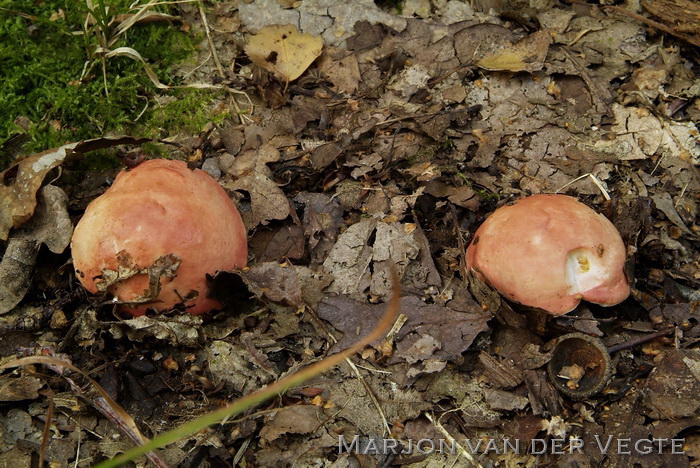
{"x":283,"y":50}
{"x":528,"y":54}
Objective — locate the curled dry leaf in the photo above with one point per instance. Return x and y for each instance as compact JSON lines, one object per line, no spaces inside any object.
{"x":19,"y":184}
{"x":180,"y":330}
{"x":284,"y":51}
{"x":50,"y":225}
{"x":267,"y":200}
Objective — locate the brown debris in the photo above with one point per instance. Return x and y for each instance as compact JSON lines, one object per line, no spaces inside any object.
{"x":387,"y":148}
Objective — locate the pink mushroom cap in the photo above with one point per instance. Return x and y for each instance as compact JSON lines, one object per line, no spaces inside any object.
{"x":550,"y":252}
{"x":157,"y":209}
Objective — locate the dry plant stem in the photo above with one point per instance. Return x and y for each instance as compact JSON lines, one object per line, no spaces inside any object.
{"x":654,"y":24}
{"x":267,"y":392}
{"x":417,"y":116}
{"x":460,"y":240}
{"x":639,"y":340}
{"x":595,"y":180}
{"x":452,"y":440}
{"x":217,"y":61}
{"x":594,"y":89}
{"x":103,"y":403}
{"x":581,"y":34}
{"x":368,"y":389}
{"x":124,"y":27}
{"x":214,"y":54}
{"x":370,"y":392}
{"x":241,"y":451}
{"x":46,"y":433}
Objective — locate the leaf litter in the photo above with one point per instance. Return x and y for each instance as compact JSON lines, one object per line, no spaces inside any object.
{"x":381,"y":139}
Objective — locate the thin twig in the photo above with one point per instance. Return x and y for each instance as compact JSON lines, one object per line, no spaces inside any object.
{"x":372,"y":397}
{"x":219,"y":66}
{"x":595,"y":180}
{"x":654,"y":24}
{"x":452,"y":441}
{"x":46,"y":433}
{"x":639,"y":340}
{"x":214,"y":54}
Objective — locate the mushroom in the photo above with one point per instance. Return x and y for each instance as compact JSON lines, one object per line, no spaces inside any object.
{"x":550,"y":252}
{"x":154,"y":235}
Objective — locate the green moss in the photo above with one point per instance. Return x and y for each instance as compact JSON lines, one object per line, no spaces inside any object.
{"x":100,"y":160}
{"x":447,"y":145}
{"x":188,"y":112}
{"x":42,"y":62}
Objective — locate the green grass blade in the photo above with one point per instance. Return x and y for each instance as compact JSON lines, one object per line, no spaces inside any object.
{"x":264,"y":393}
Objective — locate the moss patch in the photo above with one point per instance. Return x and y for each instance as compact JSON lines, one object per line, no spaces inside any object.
{"x":43,"y":59}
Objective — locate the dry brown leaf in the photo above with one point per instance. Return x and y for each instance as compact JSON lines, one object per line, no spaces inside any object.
{"x":283,"y":50}
{"x":267,"y":200}
{"x":298,"y":419}
{"x":50,"y":225}
{"x":343,"y":72}
{"x":19,"y":184}
{"x":19,"y":388}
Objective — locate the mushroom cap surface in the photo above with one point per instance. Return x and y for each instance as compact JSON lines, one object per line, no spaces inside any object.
{"x":550,"y":252}
{"x":157,"y":209}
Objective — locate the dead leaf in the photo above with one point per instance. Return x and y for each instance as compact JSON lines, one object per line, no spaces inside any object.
{"x":455,"y":331}
{"x":527,"y":54}
{"x":16,"y":271}
{"x":180,"y":330}
{"x":298,"y":419}
{"x":322,"y":216}
{"x":504,"y":401}
{"x":19,"y":388}
{"x":431,"y":331}
{"x":343,"y":71}
{"x":283,"y":50}
{"x":274,"y":282}
{"x":267,"y":200}
{"x":672,"y":390}
{"x":287,"y":242}
{"x":462,"y":195}
{"x":350,"y":396}
{"x":665,"y":204}
{"x":230,"y":363}
{"x":297,"y":451}
{"x":492,"y":47}
{"x":364,"y":164}
{"x":424,"y":172}
{"x":19,"y":184}
{"x":372,"y":246}
{"x":49,"y":225}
